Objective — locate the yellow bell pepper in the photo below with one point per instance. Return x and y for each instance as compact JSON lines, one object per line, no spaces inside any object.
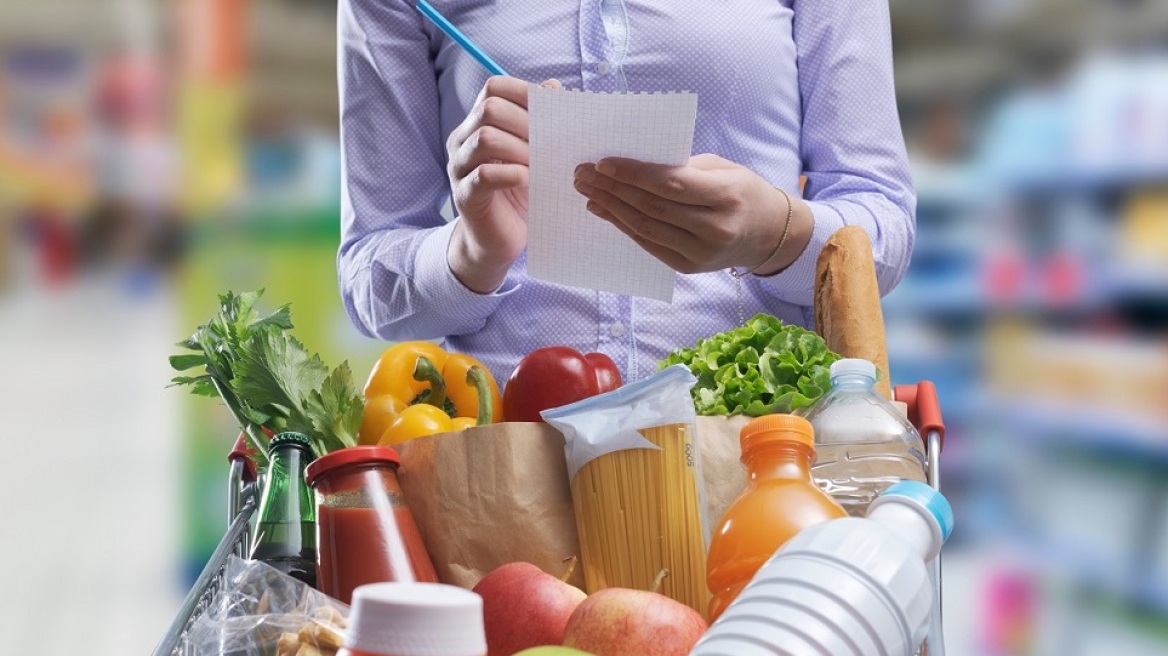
{"x":393,"y":375}
{"x":427,"y":418}
{"x":380,"y":411}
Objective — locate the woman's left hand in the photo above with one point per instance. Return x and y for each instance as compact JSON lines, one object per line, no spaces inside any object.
{"x":705,"y":215}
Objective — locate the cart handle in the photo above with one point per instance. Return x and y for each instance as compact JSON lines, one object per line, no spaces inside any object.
{"x":242,"y":452}
{"x":923,"y":409}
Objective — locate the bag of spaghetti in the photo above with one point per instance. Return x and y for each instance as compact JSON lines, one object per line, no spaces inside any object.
{"x":637,"y":495}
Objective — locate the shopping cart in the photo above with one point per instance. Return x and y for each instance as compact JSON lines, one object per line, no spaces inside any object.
{"x":243,"y":486}
{"x":242,"y":496}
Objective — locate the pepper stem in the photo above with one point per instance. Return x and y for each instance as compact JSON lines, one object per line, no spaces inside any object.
{"x":426,"y":372}
{"x":478,"y":377}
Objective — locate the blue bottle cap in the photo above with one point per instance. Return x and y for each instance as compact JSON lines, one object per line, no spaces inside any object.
{"x":930,"y":499}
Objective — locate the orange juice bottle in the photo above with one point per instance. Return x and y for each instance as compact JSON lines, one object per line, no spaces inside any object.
{"x":780,"y":500}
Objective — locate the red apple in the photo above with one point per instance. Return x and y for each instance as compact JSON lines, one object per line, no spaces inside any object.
{"x":623,"y":622}
{"x":523,"y":606}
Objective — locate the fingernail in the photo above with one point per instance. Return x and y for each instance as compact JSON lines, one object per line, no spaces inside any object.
{"x":594,"y":208}
{"x":586,"y":173}
{"x":584,"y":187}
{"x":606,"y":167}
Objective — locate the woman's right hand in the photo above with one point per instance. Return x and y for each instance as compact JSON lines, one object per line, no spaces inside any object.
{"x":488,"y":155}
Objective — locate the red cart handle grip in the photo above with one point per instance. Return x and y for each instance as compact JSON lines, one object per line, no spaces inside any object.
{"x":243,"y":451}
{"x":923,"y":409}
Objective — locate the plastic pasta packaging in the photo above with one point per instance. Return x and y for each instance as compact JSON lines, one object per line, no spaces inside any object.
{"x":636,"y":477}
{"x":259,"y":611}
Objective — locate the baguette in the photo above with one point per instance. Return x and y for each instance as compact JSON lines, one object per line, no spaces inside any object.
{"x":847,"y":302}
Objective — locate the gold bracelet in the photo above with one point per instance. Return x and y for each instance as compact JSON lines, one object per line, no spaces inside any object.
{"x":782,"y":240}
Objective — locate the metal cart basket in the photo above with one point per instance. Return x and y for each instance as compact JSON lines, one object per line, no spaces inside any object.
{"x":243,"y":485}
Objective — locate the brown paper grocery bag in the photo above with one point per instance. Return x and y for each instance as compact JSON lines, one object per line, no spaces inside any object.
{"x":722,"y":471}
{"x":496,"y":494}
{"x":491,"y":495}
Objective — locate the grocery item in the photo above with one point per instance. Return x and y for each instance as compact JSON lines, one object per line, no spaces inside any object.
{"x":503,"y":494}
{"x":523,"y":607}
{"x":285,"y":531}
{"x":415,"y":619}
{"x":762,"y":367}
{"x":863,"y":443}
{"x":380,"y":411}
{"x":623,"y":622}
{"x":428,"y":417}
{"x":498,"y":497}
{"x":394,"y":375}
{"x":779,"y":501}
{"x":553,"y":376}
{"x":847,"y":301}
{"x":366,"y":532}
{"x":315,"y":638}
{"x":850,"y":587}
{"x":256,"y":610}
{"x":635,"y":474}
{"x":268,"y":379}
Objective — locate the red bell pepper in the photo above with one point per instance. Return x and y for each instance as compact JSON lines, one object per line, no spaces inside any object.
{"x":553,"y":376}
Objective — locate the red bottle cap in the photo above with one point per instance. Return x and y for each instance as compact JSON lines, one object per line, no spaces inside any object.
{"x":354,"y":455}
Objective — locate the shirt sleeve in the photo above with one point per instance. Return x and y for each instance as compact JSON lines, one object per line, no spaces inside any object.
{"x":851,"y":143}
{"x":391,"y":266}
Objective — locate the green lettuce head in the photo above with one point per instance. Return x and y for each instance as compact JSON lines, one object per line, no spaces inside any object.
{"x":762,"y":367}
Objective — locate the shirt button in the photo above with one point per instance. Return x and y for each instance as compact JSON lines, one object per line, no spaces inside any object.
{"x":616,"y":329}
{"x":603,"y":67}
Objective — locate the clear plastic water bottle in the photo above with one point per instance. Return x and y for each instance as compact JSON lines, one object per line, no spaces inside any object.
{"x":848,"y":587}
{"x":863,"y":443}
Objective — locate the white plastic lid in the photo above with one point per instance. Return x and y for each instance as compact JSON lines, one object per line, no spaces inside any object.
{"x":416,"y":619}
{"x":853,"y":367}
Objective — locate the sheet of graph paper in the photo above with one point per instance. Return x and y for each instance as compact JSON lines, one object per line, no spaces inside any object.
{"x":565,"y":243}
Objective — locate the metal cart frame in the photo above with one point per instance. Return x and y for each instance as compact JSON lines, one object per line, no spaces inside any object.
{"x":242,"y":496}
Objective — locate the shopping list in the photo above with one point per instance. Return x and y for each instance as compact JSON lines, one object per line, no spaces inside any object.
{"x":566,"y":244}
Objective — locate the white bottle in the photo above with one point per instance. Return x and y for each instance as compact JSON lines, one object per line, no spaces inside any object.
{"x":847,"y":587}
{"x":863,"y":443}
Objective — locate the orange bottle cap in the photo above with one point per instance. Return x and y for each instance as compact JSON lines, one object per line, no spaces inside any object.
{"x":771,"y":429}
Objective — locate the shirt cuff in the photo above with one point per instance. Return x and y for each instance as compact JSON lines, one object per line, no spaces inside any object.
{"x":438,"y":287}
{"x":796,"y":283}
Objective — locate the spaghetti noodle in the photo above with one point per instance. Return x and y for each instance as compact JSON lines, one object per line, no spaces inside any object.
{"x":638,"y":512}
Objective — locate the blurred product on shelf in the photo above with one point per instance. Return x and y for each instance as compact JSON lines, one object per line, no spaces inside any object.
{"x":848,"y":587}
{"x":1008,"y":610}
{"x":1098,"y":373}
{"x":285,"y":531}
{"x":1143,"y":234}
{"x":863,"y":443}
{"x":779,"y":501}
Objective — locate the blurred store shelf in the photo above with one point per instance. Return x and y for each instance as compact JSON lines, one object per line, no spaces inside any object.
{"x":1055,"y":424}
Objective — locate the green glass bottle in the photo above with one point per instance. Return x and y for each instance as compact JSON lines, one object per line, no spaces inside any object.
{"x":285,"y":534}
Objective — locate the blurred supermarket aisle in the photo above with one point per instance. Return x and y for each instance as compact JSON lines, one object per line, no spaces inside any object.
{"x":90,"y":543}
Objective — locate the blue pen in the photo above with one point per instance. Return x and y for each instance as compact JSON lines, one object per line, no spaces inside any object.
{"x":460,"y":38}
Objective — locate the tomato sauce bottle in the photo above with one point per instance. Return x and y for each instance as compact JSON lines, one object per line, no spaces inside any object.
{"x":365,"y":532}
{"x":780,"y":500}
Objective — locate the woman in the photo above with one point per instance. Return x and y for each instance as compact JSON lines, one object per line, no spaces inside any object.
{"x":785,"y":88}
